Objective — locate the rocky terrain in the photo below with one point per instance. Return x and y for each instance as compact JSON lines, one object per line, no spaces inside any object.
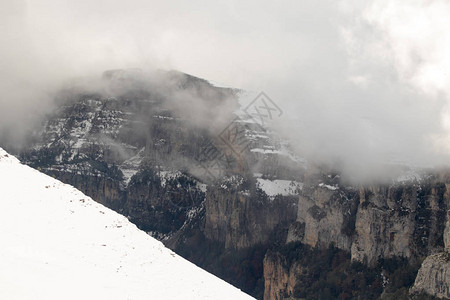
{"x":189,"y":163}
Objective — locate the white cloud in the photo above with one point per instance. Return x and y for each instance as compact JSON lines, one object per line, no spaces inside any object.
{"x":363,"y":80}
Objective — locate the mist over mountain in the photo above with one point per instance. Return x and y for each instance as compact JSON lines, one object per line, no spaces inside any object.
{"x":360,"y":85}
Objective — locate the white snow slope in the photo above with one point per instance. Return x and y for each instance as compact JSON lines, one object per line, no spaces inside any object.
{"x":57,"y":243}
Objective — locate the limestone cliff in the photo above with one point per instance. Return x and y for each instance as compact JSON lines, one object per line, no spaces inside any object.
{"x":434,"y":276}
{"x":240,"y":217}
{"x":399,"y":220}
{"x":323,"y":217}
{"x":279,"y":277}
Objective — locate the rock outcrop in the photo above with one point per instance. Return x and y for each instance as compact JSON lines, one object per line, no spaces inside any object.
{"x":434,"y":276}
{"x":324,"y":214}
{"x":398,"y":220}
{"x":240,"y":217}
{"x":279,"y":277}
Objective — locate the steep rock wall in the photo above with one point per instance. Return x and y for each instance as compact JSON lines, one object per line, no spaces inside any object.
{"x":279,"y":278}
{"x":434,"y":276}
{"x":241,"y":219}
{"x":323,"y":217}
{"x":399,"y":220}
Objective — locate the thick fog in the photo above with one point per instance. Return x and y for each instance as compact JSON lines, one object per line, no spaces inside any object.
{"x":361,"y":83}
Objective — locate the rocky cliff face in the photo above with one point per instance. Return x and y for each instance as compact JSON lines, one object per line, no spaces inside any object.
{"x":434,"y":275}
{"x":375,"y":225}
{"x":240,"y":216}
{"x":324,"y":217}
{"x":402,"y":219}
{"x":279,"y":277}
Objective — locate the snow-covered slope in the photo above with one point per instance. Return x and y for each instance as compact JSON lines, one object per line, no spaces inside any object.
{"x":57,"y":243}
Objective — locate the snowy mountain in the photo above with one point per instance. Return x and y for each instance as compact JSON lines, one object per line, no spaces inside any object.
{"x":224,"y":191}
{"x":57,"y":243}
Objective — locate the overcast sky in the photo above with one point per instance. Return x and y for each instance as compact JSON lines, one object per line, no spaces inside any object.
{"x":357,"y":80}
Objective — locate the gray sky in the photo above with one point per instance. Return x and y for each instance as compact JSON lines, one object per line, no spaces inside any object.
{"x":357,"y":80}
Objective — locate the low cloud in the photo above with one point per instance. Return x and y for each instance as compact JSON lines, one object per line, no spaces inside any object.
{"x":361,"y":84}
